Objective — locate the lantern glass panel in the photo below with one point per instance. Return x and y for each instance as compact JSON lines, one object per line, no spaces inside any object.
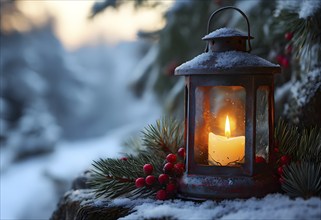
{"x":220,"y":125}
{"x":262,"y":122}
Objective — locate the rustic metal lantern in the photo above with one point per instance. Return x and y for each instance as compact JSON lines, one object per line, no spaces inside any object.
{"x":229,"y":119}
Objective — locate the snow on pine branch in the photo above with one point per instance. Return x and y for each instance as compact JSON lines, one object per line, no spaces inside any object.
{"x":302,"y":91}
{"x":309,"y":8}
{"x":304,"y":8}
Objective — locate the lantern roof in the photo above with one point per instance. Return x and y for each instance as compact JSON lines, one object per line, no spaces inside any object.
{"x":225,"y":33}
{"x":227,"y":62}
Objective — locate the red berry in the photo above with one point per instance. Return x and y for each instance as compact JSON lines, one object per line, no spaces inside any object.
{"x":170,"y":188}
{"x":148,"y":169}
{"x":124,"y":158}
{"x":285,"y":62}
{"x":181,"y":165}
{"x":150,"y":180}
{"x":161,"y":194}
{"x":163,"y":178}
{"x":181,"y":152}
{"x":280,"y":170}
{"x":171,"y":158}
{"x":260,"y":159}
{"x":285,"y":160}
{"x":168,"y":167}
{"x":288,"y":35}
{"x":276,"y":150}
{"x":140,"y":182}
{"x":179,"y":169}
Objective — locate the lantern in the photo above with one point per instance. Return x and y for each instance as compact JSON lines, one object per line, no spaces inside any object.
{"x":229,"y":119}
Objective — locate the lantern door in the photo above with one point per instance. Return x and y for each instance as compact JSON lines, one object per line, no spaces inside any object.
{"x":220,"y":129}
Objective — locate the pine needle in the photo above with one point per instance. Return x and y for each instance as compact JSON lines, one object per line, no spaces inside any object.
{"x":113,"y":178}
{"x":302,"y":179}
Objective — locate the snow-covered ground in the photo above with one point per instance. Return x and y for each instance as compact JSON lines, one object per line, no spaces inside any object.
{"x":273,"y":206}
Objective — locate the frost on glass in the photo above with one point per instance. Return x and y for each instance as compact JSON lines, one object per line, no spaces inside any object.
{"x":262,"y":122}
{"x":213,"y":143}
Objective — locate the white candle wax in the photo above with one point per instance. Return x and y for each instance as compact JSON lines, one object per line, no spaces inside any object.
{"x":225,"y":150}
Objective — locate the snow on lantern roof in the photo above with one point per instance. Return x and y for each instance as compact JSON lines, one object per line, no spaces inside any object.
{"x":225,"y":32}
{"x":226,"y":62}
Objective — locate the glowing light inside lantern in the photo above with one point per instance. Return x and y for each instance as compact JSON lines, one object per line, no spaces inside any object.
{"x":225,"y":150}
{"x":227,"y":128}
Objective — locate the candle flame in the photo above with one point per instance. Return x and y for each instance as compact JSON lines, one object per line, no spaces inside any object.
{"x":227,"y":127}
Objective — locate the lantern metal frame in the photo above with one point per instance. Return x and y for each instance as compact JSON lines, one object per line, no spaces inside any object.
{"x":219,"y":182}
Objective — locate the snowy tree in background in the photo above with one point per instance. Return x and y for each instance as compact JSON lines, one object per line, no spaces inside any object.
{"x":27,"y":125}
{"x":48,"y":93}
{"x":300,"y":96}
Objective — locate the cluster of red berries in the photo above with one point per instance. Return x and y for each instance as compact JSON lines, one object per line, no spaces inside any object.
{"x":167,"y":181}
{"x":283,"y":161}
{"x":283,"y":59}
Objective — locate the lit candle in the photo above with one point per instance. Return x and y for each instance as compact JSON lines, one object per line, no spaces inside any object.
{"x":223,"y":150}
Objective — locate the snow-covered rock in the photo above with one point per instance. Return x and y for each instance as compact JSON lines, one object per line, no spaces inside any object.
{"x":81,"y":203}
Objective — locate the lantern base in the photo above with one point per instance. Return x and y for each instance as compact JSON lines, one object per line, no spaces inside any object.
{"x":199,"y":187}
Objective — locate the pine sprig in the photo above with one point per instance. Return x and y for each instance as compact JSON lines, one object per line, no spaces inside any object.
{"x":302,"y":179}
{"x":307,"y":33}
{"x":299,"y":144}
{"x":287,"y":138}
{"x":113,"y":178}
{"x":116,"y":177}
{"x":310,"y":143}
{"x":165,"y":136}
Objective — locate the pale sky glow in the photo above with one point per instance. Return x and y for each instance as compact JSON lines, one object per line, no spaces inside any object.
{"x":74,"y":29}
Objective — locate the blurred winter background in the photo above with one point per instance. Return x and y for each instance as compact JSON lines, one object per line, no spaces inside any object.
{"x":78,"y":78}
{"x":65,"y":95}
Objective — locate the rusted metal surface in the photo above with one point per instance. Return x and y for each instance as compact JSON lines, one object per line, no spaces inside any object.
{"x":203,"y":181}
{"x":201,"y":187}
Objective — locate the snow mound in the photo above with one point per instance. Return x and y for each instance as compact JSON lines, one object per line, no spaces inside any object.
{"x":225,"y":32}
{"x":273,"y":206}
{"x":235,"y":58}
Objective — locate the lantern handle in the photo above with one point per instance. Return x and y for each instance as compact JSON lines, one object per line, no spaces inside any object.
{"x":242,"y":13}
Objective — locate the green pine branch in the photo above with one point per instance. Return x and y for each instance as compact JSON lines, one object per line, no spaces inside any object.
{"x":307,"y":33}
{"x":299,"y":144}
{"x":166,"y":136}
{"x":113,"y":178}
{"x":302,"y":179}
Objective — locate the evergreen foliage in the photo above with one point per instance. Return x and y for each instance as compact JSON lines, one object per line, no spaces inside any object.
{"x":299,"y":144}
{"x":302,"y":177}
{"x":113,"y":178}
{"x":166,"y":136}
{"x":306,"y":28}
